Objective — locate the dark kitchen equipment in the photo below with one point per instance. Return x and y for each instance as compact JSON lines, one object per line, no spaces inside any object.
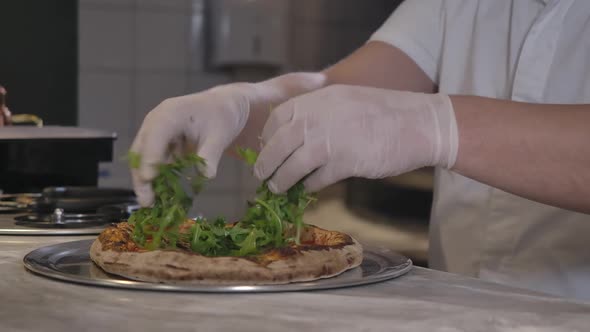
{"x":79,"y":199}
{"x":117,"y":212}
{"x":71,"y":199}
{"x":60,"y":219}
{"x":35,"y":158}
{"x":104,"y":215}
{"x":395,"y":198}
{"x":67,"y":207}
{"x":10,"y":226}
{"x":76,"y":207}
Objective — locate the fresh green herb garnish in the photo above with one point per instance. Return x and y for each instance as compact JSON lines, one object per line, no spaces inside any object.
{"x":250,"y":156}
{"x":279,"y":208}
{"x":263,"y":225}
{"x":134,"y":159}
{"x":157,"y":227}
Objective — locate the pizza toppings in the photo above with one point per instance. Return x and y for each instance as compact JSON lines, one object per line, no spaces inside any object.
{"x":279,"y":208}
{"x":157,"y":227}
{"x":271,"y":220}
{"x":322,"y":254}
{"x":118,"y":238}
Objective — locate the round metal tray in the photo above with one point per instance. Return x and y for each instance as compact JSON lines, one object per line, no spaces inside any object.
{"x":71,"y":262}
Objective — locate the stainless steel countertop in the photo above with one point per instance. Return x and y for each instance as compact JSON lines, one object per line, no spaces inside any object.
{"x":423,"y":300}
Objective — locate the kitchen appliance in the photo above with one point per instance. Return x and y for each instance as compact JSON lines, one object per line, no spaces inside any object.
{"x":71,"y":262}
{"x":34,"y":158}
{"x":64,"y":210}
{"x":405,"y":197}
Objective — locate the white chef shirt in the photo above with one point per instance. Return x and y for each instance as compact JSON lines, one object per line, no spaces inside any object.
{"x":526,"y":50}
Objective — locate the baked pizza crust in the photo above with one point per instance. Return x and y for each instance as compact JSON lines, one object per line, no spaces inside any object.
{"x":323,"y":254}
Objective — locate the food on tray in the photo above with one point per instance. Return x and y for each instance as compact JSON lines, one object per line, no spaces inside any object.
{"x":270,"y":245}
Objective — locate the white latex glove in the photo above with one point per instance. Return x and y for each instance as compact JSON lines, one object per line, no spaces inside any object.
{"x":208,"y":122}
{"x":343,"y":131}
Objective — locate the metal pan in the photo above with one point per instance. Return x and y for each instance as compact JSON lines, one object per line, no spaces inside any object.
{"x":71,"y":262}
{"x":79,"y":199}
{"x":65,"y":223}
{"x":69,"y":199}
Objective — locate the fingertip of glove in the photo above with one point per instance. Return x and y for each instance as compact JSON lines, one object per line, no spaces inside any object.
{"x":145,"y":201}
{"x":260,"y":168}
{"x":273,"y":187}
{"x":209,"y":171}
{"x":146,"y":173}
{"x":145,"y":195}
{"x":258,"y":173}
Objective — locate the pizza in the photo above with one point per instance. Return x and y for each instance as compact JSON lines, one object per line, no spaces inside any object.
{"x":320,"y":254}
{"x":270,"y":244}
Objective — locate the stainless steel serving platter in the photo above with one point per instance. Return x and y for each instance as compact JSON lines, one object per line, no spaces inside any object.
{"x":71,"y":262}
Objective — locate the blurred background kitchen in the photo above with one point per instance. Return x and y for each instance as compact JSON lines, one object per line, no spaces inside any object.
{"x":105,"y":64}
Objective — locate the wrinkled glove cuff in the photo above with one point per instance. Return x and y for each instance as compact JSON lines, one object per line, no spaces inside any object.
{"x":446,"y":132}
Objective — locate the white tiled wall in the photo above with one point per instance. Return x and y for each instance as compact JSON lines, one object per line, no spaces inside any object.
{"x":151,"y":88}
{"x":135,"y":53}
{"x":162,"y":39}
{"x":106,"y":37}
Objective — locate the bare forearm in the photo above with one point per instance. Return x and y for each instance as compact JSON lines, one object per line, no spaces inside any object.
{"x":540,"y":152}
{"x":376,"y":64}
{"x":380,"y":65}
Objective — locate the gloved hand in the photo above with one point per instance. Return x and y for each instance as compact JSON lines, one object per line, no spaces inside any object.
{"x":208,"y":122}
{"x":344,"y":131}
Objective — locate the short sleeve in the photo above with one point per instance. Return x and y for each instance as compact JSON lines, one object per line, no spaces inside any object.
{"x":416,"y":28}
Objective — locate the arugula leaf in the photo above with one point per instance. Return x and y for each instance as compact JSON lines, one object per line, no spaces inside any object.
{"x":157,"y":227}
{"x":261,"y":228}
{"x":288,"y":207}
{"x":134,"y":159}
{"x":250,"y":156}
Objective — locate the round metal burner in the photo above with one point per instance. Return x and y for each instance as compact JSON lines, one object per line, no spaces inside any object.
{"x":60,"y":219}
